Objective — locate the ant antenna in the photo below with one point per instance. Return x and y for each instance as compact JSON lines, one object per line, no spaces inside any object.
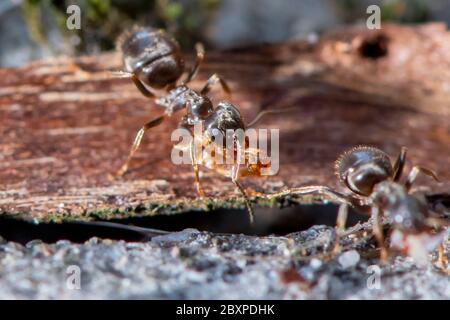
{"x":301,"y":94}
{"x":263,"y":113}
{"x":149,"y":232}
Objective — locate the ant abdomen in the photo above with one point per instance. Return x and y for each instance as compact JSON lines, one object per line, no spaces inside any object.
{"x":153,"y":56}
{"x":361,"y":168}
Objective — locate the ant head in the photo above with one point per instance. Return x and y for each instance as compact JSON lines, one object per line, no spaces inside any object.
{"x":363,"y":167}
{"x":225,"y":119}
{"x":152,"y":55}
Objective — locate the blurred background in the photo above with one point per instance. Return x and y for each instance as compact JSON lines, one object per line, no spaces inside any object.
{"x":35,"y":29}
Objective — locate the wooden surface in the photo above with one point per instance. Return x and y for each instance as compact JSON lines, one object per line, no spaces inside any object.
{"x":66,"y":126}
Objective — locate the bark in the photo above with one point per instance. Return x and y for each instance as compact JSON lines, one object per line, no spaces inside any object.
{"x":66,"y":126}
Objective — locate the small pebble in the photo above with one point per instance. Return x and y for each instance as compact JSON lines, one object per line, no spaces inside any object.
{"x":315,"y":263}
{"x":349,"y":259}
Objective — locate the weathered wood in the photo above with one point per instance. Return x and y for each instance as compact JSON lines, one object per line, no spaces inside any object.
{"x":66,"y":126}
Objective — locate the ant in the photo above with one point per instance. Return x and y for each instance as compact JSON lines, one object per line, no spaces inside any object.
{"x":153,"y":59}
{"x":375,"y":182}
{"x":370,"y":175}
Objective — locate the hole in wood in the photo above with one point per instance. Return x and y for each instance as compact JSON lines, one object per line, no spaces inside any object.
{"x":374,"y":47}
{"x":275,"y":221}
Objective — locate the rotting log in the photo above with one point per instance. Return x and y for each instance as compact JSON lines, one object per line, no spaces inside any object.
{"x":66,"y":126}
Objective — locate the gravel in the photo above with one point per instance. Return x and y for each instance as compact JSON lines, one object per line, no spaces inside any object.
{"x":199,"y":265}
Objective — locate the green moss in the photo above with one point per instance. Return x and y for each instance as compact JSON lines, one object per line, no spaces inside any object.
{"x":165,"y":208}
{"x":102,"y":21}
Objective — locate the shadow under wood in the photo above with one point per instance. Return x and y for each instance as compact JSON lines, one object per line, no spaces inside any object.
{"x":268,"y":222}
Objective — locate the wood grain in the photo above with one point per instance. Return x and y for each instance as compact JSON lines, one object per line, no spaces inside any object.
{"x":66,"y":126}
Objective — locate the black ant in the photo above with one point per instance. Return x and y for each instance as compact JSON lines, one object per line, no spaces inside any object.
{"x":153,"y":59}
{"x":375,"y":182}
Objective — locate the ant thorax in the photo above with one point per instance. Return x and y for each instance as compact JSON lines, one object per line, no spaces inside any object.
{"x":406,"y":212}
{"x":198,"y":106}
{"x":173,"y":101}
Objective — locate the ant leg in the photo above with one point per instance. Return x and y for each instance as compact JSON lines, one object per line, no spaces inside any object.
{"x":442,"y":258}
{"x":141,"y":87}
{"x":196,"y":171}
{"x":213,"y":80}
{"x":246,"y":199}
{"x":414,"y":173}
{"x":321,"y":190}
{"x":137,"y":142}
{"x":340,"y":226}
{"x":234,"y":177}
{"x":378,"y":232}
{"x":400,"y":164}
{"x":198,"y":61}
{"x":437,"y":223}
